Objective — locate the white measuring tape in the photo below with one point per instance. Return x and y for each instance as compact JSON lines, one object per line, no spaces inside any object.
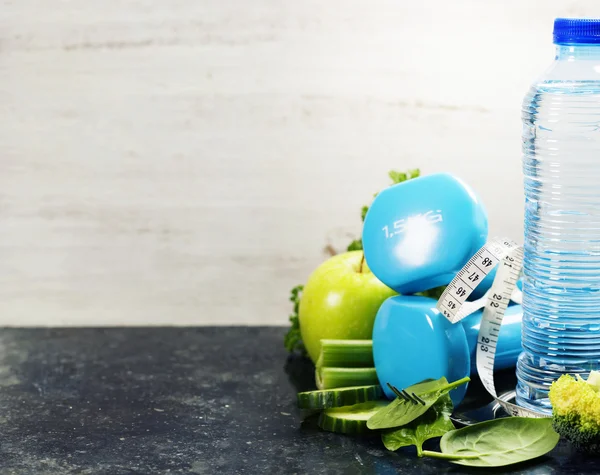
{"x":454,"y":306}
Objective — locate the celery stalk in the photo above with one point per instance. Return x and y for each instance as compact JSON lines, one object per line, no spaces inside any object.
{"x":346,"y":354}
{"x":329,"y":378}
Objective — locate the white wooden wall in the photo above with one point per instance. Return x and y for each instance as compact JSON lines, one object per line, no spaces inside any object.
{"x":186,"y":162}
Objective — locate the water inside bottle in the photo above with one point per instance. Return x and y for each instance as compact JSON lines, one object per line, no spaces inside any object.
{"x":561,"y":301}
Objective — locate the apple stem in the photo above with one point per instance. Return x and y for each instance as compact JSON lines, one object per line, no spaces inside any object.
{"x":362,"y":261}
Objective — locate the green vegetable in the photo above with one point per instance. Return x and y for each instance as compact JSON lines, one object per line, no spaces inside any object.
{"x":401,"y":412}
{"x":593,"y":380}
{"x":434,"y":293}
{"x":330,"y":378}
{"x":434,"y":423}
{"x":498,"y":442}
{"x":399,"y":177}
{"x":346,"y":353}
{"x":363,"y":213}
{"x":344,"y":363}
{"x":340,"y":397}
{"x":293,"y":339}
{"x":576,"y":411}
{"x":349,"y":419}
{"x":355,"y":245}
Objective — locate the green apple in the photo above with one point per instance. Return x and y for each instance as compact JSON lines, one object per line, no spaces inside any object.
{"x":340,"y":301}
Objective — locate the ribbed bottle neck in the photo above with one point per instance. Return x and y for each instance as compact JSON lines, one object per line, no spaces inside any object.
{"x":577,"y":52}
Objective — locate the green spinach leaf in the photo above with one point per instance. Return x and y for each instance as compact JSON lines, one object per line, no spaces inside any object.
{"x":434,"y":423}
{"x":293,"y":338}
{"x":400,"y":412}
{"x":498,"y":442}
{"x":355,"y":245}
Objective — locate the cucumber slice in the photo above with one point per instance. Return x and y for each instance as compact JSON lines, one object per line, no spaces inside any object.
{"x":328,"y":398}
{"x":350,"y":419}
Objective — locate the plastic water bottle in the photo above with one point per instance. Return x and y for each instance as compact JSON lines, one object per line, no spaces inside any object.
{"x":561,"y":164}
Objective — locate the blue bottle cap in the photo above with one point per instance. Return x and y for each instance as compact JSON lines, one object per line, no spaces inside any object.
{"x":575,"y":31}
{"x":412,"y":342}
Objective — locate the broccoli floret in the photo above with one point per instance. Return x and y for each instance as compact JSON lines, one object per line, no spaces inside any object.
{"x":576,"y":411}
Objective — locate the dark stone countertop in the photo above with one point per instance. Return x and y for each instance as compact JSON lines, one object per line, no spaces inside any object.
{"x":182,"y":400}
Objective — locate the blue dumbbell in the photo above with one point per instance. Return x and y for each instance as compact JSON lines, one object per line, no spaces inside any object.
{"x":418,"y":234}
{"x":413,"y":341}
